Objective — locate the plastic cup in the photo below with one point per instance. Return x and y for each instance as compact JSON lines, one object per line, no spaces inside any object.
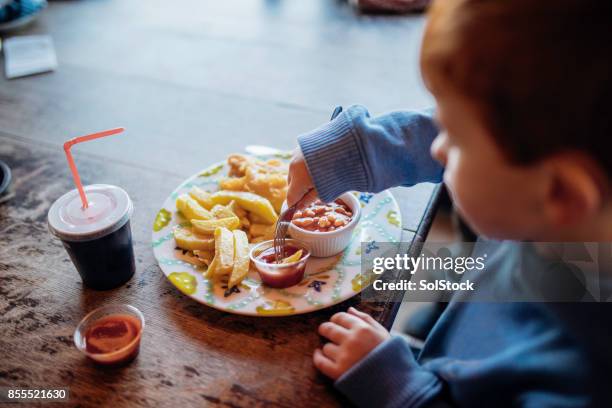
{"x":98,"y":239}
{"x":280,"y":275}
{"x":122,"y":355}
{"x":5,"y":177}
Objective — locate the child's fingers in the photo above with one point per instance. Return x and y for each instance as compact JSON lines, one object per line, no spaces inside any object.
{"x":324,"y":364}
{"x":363,"y":316}
{"x":333,"y":332}
{"x":295,"y":194}
{"x":331,"y":351}
{"x":345,"y":320}
{"x":298,"y":178}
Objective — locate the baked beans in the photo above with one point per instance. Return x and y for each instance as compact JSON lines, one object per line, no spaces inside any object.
{"x":322,"y":217}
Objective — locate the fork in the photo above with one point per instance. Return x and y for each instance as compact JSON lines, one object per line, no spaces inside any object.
{"x":282,"y":225}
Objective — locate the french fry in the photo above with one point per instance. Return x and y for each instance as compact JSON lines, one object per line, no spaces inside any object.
{"x":249,"y":201}
{"x":245,"y":223}
{"x":189,"y":257}
{"x":191,"y":209}
{"x":208,"y":227}
{"x":222,"y":211}
{"x":237,"y":209}
{"x":212,"y":268}
{"x":204,"y":256}
{"x":224,"y":251}
{"x":241,"y":258}
{"x":258,"y":230}
{"x":256,"y":219}
{"x":202,"y":197}
{"x":185,"y":238}
{"x":293,"y":258}
{"x":232,"y":183}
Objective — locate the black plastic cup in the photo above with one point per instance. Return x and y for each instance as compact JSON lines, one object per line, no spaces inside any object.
{"x":5,"y":177}
{"x":98,"y":239}
{"x":106,"y":262}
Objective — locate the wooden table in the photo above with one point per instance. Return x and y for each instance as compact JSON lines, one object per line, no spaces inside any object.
{"x":191,"y":84}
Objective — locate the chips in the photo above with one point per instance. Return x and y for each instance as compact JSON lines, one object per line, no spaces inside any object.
{"x":202,"y":197}
{"x":205,"y":256}
{"x":224,"y":250}
{"x":293,"y":258}
{"x":249,"y":201}
{"x":224,"y":223}
{"x":189,"y":257}
{"x":212,"y":267}
{"x":186,"y":239}
{"x":256,"y":219}
{"x":191,"y":209}
{"x":208,"y":227}
{"x":222,"y":211}
{"x":262,"y":230}
{"x":265,"y":178}
{"x":237,"y":209}
{"x":241,"y":258}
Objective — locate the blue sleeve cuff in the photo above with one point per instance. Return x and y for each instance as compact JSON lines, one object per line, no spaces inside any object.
{"x":357,"y":152}
{"x":389,"y":377}
{"x":334,"y":159}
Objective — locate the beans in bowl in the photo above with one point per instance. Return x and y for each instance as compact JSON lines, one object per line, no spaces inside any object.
{"x":323,"y":217}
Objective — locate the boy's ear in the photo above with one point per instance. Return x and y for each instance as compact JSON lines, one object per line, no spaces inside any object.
{"x":575,"y":191}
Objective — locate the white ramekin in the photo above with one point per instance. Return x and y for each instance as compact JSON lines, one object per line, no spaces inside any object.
{"x":324,"y":244}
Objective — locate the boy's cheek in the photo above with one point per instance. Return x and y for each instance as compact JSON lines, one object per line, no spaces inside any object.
{"x":467,"y":194}
{"x":483,"y":205}
{"x":450,"y":179}
{"x":456,"y":196}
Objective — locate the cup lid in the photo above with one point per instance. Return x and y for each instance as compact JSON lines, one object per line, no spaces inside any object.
{"x":109,"y":209}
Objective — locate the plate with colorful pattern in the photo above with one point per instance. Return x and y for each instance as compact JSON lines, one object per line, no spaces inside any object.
{"x":327,"y":281}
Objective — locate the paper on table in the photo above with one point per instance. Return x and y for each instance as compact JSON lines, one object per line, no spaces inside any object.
{"x":28,"y":55}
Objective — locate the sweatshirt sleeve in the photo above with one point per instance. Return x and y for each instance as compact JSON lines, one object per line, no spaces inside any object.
{"x":357,"y":152}
{"x":390,"y":377}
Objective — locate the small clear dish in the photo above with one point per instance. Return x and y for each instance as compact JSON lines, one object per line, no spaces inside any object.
{"x":110,"y":335}
{"x":279,"y":275}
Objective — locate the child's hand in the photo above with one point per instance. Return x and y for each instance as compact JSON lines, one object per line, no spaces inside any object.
{"x":299,"y":178}
{"x":352,"y":336}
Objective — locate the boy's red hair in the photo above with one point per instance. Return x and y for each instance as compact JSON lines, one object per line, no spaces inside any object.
{"x":538,"y":71}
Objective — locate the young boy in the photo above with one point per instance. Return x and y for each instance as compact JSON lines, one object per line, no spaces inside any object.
{"x":524,"y":145}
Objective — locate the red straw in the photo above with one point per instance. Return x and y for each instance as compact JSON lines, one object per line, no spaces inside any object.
{"x":75,"y":172}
